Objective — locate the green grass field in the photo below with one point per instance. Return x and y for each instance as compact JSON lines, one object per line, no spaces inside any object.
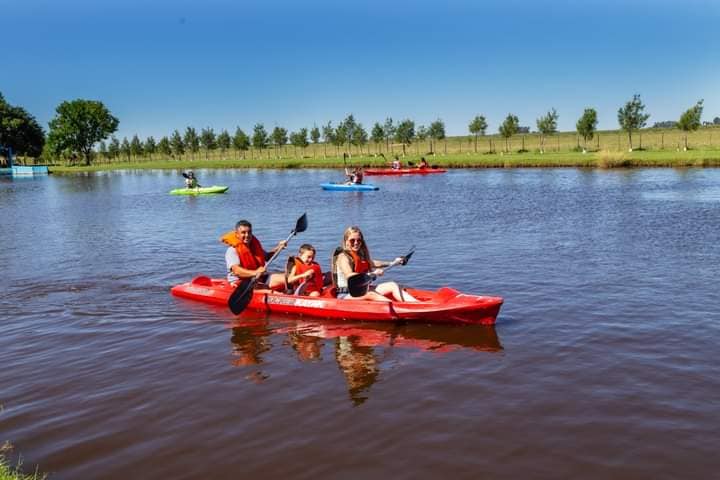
{"x":609,"y":149}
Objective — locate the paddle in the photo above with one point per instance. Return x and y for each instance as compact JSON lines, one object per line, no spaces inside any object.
{"x":358,"y":284}
{"x":240,"y":297}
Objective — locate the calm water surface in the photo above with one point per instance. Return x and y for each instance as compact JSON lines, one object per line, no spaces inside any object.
{"x":603,"y":363}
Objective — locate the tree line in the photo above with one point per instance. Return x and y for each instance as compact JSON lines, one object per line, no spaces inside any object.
{"x":84,"y":129}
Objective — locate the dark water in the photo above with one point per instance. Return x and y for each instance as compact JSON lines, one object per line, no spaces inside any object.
{"x":603,"y":364}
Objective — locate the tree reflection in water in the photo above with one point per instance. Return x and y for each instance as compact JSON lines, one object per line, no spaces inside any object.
{"x":354,"y":345}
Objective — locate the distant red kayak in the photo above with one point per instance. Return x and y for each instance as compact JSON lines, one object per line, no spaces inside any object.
{"x":445,"y":305}
{"x":403,"y":171}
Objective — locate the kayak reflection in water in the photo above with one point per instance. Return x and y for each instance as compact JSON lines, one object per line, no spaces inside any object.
{"x":353,"y":258}
{"x":248,"y":344}
{"x":359,"y":366}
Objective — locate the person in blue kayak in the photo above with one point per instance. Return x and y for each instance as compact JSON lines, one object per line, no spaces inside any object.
{"x":355,"y":177}
{"x":245,"y":257}
{"x":191,"y":180}
{"x":353,"y":258}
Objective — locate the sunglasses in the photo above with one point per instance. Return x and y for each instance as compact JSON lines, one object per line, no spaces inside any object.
{"x":354,"y":240}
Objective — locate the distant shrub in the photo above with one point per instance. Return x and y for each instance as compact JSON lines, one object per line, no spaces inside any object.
{"x":608,"y":159}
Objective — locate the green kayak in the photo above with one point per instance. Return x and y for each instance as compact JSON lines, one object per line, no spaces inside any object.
{"x":199,"y":190}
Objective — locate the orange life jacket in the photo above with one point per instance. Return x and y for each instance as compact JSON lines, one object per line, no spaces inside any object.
{"x":315,"y":283}
{"x":358,"y":264}
{"x":251,"y":258}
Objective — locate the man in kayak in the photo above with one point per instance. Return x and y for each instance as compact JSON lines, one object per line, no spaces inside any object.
{"x":353,"y":258}
{"x":396,"y":164}
{"x":423,"y":164}
{"x":305,"y":272}
{"x":191,"y":180}
{"x":245,"y":257}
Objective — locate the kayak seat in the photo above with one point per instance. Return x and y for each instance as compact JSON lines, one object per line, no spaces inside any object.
{"x":202,"y":280}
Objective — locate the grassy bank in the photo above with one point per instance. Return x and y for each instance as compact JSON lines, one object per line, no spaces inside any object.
{"x":593,"y":159}
{"x":9,"y":473}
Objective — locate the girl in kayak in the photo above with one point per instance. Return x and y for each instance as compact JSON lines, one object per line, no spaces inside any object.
{"x":396,"y":164}
{"x":356,"y":177}
{"x":305,"y":271}
{"x":353,"y":258}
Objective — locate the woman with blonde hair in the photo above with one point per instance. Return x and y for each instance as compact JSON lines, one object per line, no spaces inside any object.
{"x":353,"y":258}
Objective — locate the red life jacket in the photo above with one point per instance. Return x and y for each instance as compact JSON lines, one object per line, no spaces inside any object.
{"x":359,"y":265}
{"x":251,"y":258}
{"x":314,"y":283}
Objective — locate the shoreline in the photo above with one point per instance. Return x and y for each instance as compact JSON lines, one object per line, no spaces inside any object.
{"x":596,"y":159}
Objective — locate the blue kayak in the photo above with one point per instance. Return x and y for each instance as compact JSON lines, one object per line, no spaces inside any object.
{"x":349,"y":187}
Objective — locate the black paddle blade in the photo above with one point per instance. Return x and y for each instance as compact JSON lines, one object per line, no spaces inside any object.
{"x":301,"y":224}
{"x":185,"y":175}
{"x":359,"y":284}
{"x":241,"y":296}
{"x":406,"y":258}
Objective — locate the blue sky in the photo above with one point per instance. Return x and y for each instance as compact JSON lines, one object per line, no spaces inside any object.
{"x":165,"y":65}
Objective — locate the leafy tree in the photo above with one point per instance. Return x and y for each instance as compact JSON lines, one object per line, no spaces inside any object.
{"x":315,"y":134}
{"x":360,"y":136}
{"x":136,"y":148}
{"x":114,"y":148}
{"x":509,"y":128}
{"x":405,"y":133}
{"x":339,"y":136}
{"x":547,"y":125}
{"x":192,"y":141}
{"x":125,"y":148}
{"x":240,"y":140}
{"x":150,"y":146}
{"x":632,"y":117}
{"x":207,"y":139}
{"x":690,"y":120}
{"x":348,"y":127}
{"x":328,"y":133}
{"x":587,"y":124}
{"x":299,"y":139}
{"x":223,"y":141}
{"x":164,"y":147}
{"x":260,"y":136}
{"x":78,"y":125}
{"x":20,"y":130}
{"x":421,"y":134}
{"x":477,"y":127}
{"x":716,"y":121}
{"x":279,"y":137}
{"x":436,"y":132}
{"x":389,"y":131}
{"x":177,"y":144}
{"x":377,"y":134}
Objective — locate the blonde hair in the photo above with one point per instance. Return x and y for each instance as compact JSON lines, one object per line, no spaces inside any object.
{"x":363,"y":252}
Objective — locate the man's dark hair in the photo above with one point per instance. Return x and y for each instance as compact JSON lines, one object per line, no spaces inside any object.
{"x":243,"y":223}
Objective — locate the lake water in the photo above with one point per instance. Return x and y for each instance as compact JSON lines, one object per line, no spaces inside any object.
{"x":604,"y":362}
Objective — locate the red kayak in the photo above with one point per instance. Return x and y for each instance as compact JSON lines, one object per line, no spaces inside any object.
{"x":442,"y":306}
{"x":403,"y":171}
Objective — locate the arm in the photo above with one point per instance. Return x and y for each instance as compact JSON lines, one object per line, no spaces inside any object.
{"x":343,"y":265}
{"x":233,"y":265}
{"x":292,"y":278}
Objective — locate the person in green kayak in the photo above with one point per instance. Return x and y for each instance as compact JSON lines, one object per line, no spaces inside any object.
{"x":245,"y":257}
{"x":353,"y":258}
{"x":191,"y":180}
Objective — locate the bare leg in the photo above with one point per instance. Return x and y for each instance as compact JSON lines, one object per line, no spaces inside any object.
{"x":398,"y":294}
{"x":276,"y":281}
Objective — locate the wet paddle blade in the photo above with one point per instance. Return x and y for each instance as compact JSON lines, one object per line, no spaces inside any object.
{"x":241,"y":296}
{"x":358,"y":285}
{"x":301,"y":224}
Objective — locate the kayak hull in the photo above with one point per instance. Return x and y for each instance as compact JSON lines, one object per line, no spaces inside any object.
{"x":199,"y":191}
{"x":343,"y":187}
{"x":445,"y":305}
{"x":403,"y":171}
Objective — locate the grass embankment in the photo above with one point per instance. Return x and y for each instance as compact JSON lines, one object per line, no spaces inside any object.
{"x":9,"y":473}
{"x":597,"y":159}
